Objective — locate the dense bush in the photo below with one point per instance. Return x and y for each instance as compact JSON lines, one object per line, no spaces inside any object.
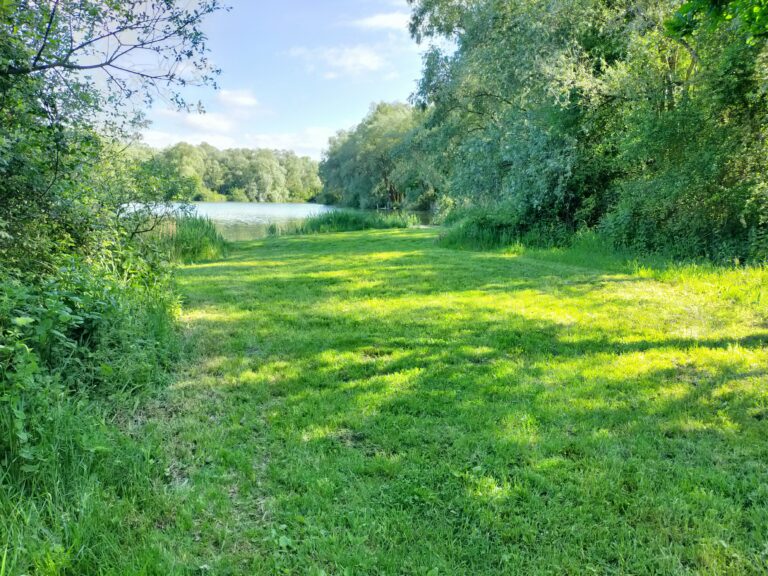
{"x":76,"y":348}
{"x":500,"y":225}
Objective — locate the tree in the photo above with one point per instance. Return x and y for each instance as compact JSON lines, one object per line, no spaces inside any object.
{"x":267,"y":178}
{"x":141,"y":47}
{"x":73,"y":77}
{"x":750,"y":15}
{"x":187,"y":162}
{"x":644,"y":120}
{"x":360,"y":168}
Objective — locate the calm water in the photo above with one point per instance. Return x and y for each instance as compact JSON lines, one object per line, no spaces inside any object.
{"x":249,"y":221}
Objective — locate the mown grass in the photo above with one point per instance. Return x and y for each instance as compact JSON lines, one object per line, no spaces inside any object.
{"x":372,"y":403}
{"x":345,"y":221}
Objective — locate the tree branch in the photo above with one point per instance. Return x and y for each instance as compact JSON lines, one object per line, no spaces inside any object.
{"x":47,"y":33}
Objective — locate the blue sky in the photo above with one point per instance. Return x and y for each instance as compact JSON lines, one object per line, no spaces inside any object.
{"x":294,"y":72}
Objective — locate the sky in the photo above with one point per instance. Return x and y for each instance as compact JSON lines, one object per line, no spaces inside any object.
{"x":294,"y":72}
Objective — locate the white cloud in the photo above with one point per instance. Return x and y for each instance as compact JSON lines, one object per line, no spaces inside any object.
{"x":208,"y":121}
{"x":163,"y":139}
{"x":239,"y":98}
{"x":341,"y":60}
{"x":310,"y":141}
{"x":384,"y":21}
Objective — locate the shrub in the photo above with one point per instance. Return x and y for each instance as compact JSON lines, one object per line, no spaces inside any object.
{"x":481,"y":230}
{"x":211,"y":196}
{"x":76,"y":349}
{"x":486,"y":228}
{"x":81,"y":330}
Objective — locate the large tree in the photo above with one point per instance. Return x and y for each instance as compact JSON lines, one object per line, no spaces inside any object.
{"x":643,"y":119}
{"x":363,"y":167}
{"x":75,"y":74}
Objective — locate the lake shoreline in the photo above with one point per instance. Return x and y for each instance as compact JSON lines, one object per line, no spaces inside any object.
{"x":246,"y":221}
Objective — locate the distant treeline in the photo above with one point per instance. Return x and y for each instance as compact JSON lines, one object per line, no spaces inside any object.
{"x":646,"y":122}
{"x":239,"y":174}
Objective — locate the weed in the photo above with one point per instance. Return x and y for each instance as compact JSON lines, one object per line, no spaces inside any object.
{"x":193,"y":239}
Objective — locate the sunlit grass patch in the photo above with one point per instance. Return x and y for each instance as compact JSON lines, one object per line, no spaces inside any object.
{"x":370,"y":402}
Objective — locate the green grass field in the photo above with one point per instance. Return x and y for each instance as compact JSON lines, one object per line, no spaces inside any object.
{"x":372,"y":403}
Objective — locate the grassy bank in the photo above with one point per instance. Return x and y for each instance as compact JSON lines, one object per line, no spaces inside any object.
{"x":371,"y":402}
{"x":83,"y":350}
{"x":346,"y":221}
{"x":80,"y":352}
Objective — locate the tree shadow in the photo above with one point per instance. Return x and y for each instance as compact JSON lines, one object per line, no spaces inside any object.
{"x":483,"y":415}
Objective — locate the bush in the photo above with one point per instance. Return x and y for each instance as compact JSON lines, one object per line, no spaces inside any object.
{"x":347,"y":221}
{"x":486,"y":228}
{"x":481,"y":230}
{"x":238,"y":195}
{"x":210,"y":196}
{"x":79,"y":331}
{"x":76,"y":348}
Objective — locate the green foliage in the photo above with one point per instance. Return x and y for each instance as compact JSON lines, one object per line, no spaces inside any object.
{"x":241,"y":175}
{"x":372,"y":166}
{"x":81,"y":330}
{"x":86,"y":301}
{"x":647,"y":123}
{"x":192,"y":239}
{"x":482,"y":231}
{"x":485,"y":228}
{"x":208,"y":196}
{"x":751,"y":15}
{"x":347,"y":221}
{"x":76,"y":348}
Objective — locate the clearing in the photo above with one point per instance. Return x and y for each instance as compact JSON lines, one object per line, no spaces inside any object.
{"x":372,"y":403}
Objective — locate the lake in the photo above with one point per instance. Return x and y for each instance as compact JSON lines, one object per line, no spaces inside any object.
{"x":249,"y":220}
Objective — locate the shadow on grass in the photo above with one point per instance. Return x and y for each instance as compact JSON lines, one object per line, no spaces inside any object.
{"x":478,"y":413}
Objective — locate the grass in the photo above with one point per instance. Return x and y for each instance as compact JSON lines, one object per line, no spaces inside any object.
{"x":482,"y":231}
{"x":373,"y":403}
{"x":79,"y":355}
{"x":346,"y":221}
{"x":194,"y":239}
{"x":484,"y":228}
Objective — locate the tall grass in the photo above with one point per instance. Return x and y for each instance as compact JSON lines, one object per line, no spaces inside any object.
{"x":486,"y":228}
{"x":479,"y":233}
{"x":346,"y":221}
{"x":192,"y":239}
{"x":79,"y":352}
